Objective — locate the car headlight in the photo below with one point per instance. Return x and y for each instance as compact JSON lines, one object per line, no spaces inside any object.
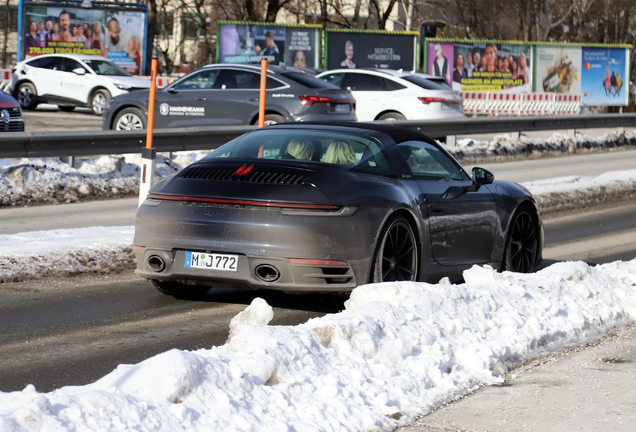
{"x":110,"y":102}
{"x":123,"y":86}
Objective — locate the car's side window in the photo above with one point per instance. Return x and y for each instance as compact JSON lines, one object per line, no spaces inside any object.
{"x":363,"y":82}
{"x":69,"y":65}
{"x":427,"y":162}
{"x":335,"y":79}
{"x":203,"y":80}
{"x":53,"y":63}
{"x":392,"y":85}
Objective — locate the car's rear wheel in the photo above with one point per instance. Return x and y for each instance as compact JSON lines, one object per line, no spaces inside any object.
{"x":26,"y":95}
{"x":522,"y":244}
{"x":392,"y":116}
{"x":179,"y":289}
{"x":130,"y":119}
{"x":396,"y":257}
{"x":67,"y":108}
{"x":99,"y":99}
{"x":272,"y":119}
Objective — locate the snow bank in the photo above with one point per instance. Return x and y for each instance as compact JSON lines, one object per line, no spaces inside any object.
{"x":396,"y":352}
{"x":65,"y":251}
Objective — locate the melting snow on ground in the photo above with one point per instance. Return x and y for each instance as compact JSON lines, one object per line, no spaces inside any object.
{"x":396,"y":352}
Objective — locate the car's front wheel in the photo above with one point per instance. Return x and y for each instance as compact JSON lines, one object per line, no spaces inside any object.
{"x":130,"y":119}
{"x":99,"y":99}
{"x":178,"y":289}
{"x":27,"y":96}
{"x":396,"y":256}
{"x":522,"y":245}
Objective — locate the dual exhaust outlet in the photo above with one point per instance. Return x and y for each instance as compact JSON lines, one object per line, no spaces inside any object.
{"x":264,"y":272}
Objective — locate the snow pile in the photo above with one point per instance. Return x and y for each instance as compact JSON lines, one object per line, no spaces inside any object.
{"x":65,"y":251}
{"x":504,"y":146}
{"x":576,"y":192}
{"x":396,"y":352}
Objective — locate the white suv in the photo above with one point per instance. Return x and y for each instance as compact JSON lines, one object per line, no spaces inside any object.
{"x":383,"y":94}
{"x":71,"y":80}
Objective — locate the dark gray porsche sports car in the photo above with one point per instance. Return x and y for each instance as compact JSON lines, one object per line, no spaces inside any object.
{"x":314,"y":207}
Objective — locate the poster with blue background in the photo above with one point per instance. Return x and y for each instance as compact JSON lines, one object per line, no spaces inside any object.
{"x":604,"y":76}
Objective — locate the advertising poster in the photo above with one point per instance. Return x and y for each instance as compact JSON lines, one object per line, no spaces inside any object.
{"x":387,"y":50}
{"x":558,"y":70}
{"x":249,"y":43}
{"x":603,"y":76}
{"x":482,"y":67}
{"x":116,"y":35}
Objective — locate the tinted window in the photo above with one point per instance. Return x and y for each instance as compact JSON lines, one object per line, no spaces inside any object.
{"x":427,"y":162}
{"x":104,"y":67}
{"x":200,"y":80}
{"x":425,"y":83}
{"x":68,"y":65}
{"x":363,"y":82}
{"x":46,"y":63}
{"x":308,"y":80}
{"x":349,"y":152}
{"x":335,"y":79}
{"x":392,"y":85}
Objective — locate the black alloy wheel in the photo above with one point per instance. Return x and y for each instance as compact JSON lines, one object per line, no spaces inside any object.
{"x":396,"y":258}
{"x":523,"y":243}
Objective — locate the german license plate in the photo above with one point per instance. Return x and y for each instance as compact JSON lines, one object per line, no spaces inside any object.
{"x":343,"y":108}
{"x":450,"y":106}
{"x":211,"y":261}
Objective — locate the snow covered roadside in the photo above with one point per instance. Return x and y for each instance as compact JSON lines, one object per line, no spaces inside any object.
{"x":396,"y":352}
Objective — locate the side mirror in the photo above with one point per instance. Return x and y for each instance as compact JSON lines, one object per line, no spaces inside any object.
{"x":79,"y":71}
{"x":482,"y":176}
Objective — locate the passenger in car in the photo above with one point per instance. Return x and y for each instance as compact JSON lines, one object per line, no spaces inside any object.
{"x":301,"y":149}
{"x":340,"y":153}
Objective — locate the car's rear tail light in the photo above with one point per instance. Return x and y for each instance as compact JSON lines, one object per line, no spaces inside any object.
{"x":270,"y":204}
{"x":310,"y":100}
{"x":318,"y":262}
{"x":428,"y":100}
{"x":138,"y":248}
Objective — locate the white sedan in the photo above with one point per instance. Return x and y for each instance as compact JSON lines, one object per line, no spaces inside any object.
{"x":71,"y":80}
{"x":383,"y":94}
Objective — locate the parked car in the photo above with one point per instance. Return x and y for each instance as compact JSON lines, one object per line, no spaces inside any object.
{"x":228,"y":94}
{"x":315,"y":207}
{"x":10,"y":114}
{"x":71,"y":80}
{"x":383,"y":94}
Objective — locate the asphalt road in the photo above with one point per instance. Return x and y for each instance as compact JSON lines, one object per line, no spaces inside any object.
{"x":72,"y":331}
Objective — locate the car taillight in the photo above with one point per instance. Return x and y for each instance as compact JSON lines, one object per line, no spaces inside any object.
{"x":318,"y":262}
{"x":310,"y":100}
{"x":428,"y":100}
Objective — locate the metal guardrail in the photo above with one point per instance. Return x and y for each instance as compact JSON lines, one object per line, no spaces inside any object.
{"x":85,"y":143}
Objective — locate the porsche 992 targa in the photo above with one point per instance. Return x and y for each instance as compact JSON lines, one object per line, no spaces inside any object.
{"x":313,"y":207}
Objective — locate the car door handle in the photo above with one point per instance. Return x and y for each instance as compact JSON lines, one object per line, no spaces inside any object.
{"x":436,"y":208}
{"x":252,"y":99}
{"x":201,"y":99}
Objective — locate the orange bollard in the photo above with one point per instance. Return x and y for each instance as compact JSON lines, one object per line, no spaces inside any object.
{"x":148,"y":154}
{"x":151,"y":102}
{"x":261,"y":99}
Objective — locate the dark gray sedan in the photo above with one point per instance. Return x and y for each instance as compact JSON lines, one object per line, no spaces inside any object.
{"x":227,"y":94}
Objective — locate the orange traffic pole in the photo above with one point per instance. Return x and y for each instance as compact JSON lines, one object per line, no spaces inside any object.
{"x":151,"y":102}
{"x":261,"y":99}
{"x":148,"y":155}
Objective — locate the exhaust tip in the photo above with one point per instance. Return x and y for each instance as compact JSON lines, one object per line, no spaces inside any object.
{"x":156,"y":263}
{"x":267,"y":273}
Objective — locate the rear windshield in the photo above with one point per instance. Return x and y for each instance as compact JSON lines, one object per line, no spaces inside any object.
{"x":309,"y":81}
{"x":345,"y":151}
{"x":104,"y":67}
{"x":425,"y":83}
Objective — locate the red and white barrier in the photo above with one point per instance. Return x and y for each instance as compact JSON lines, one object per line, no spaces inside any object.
{"x":163,"y":81}
{"x":499,"y":103}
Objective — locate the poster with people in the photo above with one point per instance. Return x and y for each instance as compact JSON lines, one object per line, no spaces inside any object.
{"x":476,"y":66}
{"x":604,"y":76}
{"x":116,"y":35}
{"x":558,"y":69}
{"x":250,"y":42}
{"x":370,"y":49}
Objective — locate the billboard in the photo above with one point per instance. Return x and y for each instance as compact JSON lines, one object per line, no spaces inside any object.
{"x":371,"y":49}
{"x":116,"y":33}
{"x":604,"y":76}
{"x":558,"y":69}
{"x":481,"y":65}
{"x":246,"y":42}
